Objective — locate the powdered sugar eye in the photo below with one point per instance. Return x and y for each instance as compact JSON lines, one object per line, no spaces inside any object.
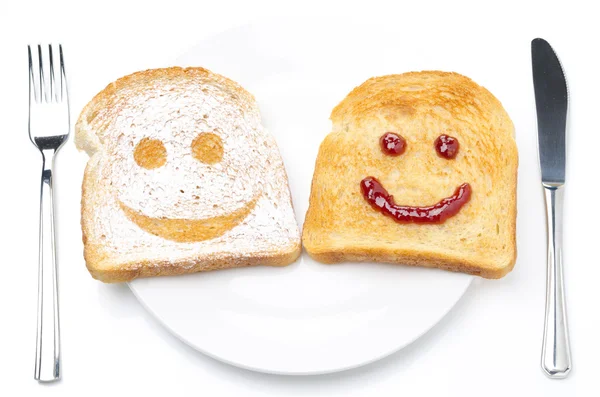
{"x":150,"y":153}
{"x":208,"y":148}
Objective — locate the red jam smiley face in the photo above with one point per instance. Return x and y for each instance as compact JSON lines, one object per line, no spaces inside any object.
{"x":378,"y":197}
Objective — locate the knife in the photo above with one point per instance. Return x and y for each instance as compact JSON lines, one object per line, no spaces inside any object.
{"x":551,"y":99}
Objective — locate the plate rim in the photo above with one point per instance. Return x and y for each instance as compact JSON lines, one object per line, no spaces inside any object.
{"x":234,"y":363}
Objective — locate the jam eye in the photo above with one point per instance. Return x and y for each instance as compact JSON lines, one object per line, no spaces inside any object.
{"x":207,"y":148}
{"x":150,"y":153}
{"x":446,"y":146}
{"x":392,"y":144}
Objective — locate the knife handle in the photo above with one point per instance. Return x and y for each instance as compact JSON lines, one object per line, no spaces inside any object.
{"x":556,"y":353}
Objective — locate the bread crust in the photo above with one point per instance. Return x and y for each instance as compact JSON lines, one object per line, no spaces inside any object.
{"x":92,"y":134}
{"x":413,"y":258}
{"x":116,"y":272}
{"x":341,"y":226}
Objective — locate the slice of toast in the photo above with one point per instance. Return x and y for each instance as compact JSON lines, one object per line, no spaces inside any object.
{"x":348,"y":219}
{"x":182,"y":177}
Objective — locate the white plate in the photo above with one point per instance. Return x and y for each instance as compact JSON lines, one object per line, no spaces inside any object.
{"x":310,"y":318}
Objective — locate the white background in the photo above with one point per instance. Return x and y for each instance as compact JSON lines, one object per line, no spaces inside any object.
{"x":488,"y":345}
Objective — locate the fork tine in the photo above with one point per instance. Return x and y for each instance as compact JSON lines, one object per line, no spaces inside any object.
{"x":63,"y":76}
{"x":42,"y":81}
{"x":53,"y":96}
{"x":33,"y":94}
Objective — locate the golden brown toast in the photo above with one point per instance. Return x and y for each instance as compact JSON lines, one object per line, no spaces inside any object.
{"x":182,"y":177}
{"x":343,"y":225}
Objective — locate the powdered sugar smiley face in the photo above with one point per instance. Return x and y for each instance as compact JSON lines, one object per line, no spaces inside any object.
{"x":182,"y":178}
{"x":190,"y":179}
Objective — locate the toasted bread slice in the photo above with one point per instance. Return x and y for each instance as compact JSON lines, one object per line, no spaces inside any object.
{"x":182,"y":178}
{"x":480,"y":239}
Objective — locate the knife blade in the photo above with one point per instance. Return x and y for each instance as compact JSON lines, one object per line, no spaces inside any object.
{"x":551,"y":99}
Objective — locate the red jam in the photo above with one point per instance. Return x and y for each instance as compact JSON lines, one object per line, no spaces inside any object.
{"x":392,"y":144}
{"x":446,"y":146}
{"x":382,"y":201}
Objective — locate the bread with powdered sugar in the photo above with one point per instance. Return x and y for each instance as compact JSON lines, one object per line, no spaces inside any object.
{"x":182,"y":178}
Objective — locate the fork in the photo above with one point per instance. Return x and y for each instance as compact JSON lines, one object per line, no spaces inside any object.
{"x":49,"y":127}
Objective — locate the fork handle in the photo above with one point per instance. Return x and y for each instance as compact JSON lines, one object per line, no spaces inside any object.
{"x":47,"y":356}
{"x":556,"y":353}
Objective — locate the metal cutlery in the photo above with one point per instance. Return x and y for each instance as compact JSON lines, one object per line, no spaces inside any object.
{"x":49,"y":127}
{"x":551,"y":99}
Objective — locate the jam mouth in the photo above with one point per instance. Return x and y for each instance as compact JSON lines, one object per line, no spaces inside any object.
{"x":376,"y":195}
{"x":189,"y":230}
